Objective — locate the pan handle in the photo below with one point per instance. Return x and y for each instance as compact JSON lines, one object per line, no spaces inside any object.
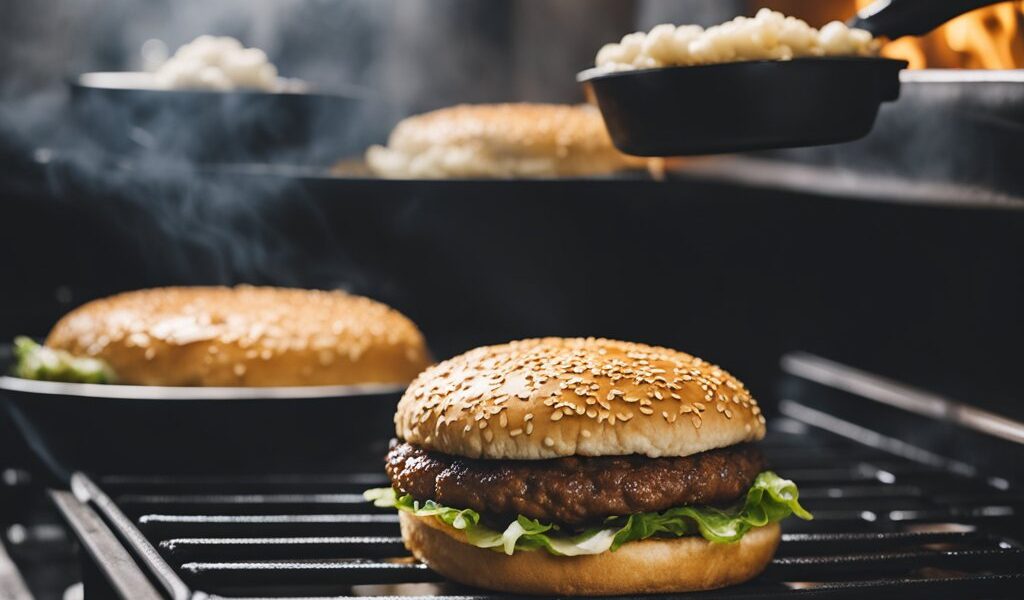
{"x":897,"y":18}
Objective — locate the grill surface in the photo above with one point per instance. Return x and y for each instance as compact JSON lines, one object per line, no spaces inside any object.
{"x":885,"y":526}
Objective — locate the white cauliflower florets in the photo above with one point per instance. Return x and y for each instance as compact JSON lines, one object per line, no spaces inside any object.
{"x":769,"y":35}
{"x":217,"y":63}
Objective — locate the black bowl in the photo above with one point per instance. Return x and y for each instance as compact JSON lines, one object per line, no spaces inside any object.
{"x":731,"y":107}
{"x":119,"y":429}
{"x":122,"y":116}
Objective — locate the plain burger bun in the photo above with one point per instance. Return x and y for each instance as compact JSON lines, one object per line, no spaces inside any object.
{"x":500,"y":141}
{"x":646,"y":567}
{"x":244,"y":336}
{"x":552,"y":397}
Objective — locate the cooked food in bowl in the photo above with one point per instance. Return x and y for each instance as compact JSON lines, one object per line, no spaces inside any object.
{"x":769,"y":35}
{"x":208,"y":63}
{"x":500,"y":141}
{"x":217,"y":63}
{"x":219,"y":336}
{"x":584,"y":467}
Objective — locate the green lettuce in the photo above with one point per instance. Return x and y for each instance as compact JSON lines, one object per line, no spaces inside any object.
{"x":46,"y":364}
{"x":769,"y":500}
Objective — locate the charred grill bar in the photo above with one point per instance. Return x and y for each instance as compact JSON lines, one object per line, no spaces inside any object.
{"x":887,"y":523}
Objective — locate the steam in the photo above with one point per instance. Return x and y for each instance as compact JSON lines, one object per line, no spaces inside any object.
{"x":160,"y":186}
{"x":164,"y":185}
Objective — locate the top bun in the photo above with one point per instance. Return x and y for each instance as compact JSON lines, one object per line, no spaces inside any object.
{"x":244,"y":336}
{"x":500,"y":141}
{"x":552,"y":397}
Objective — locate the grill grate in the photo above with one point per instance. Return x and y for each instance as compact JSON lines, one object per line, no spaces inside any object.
{"x":885,"y":525}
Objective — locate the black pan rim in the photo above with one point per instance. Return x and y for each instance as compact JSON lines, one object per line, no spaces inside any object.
{"x":597,"y":74}
{"x":354,"y":92}
{"x":104,"y":391}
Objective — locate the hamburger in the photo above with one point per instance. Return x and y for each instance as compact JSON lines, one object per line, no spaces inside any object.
{"x":221,"y":336}
{"x":500,"y":141}
{"x":584,"y":467}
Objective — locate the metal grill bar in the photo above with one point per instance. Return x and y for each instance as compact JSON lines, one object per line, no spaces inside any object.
{"x":12,"y":586}
{"x":810,"y":568}
{"x":886,"y":526}
{"x":163,"y":526}
{"x":199,"y":549}
{"x":309,"y":573}
{"x":104,"y":548}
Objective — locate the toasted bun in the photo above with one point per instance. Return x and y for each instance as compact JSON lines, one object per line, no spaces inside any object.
{"x":244,"y":336}
{"x":651,"y":566}
{"x":500,"y":141}
{"x":553,"y":397}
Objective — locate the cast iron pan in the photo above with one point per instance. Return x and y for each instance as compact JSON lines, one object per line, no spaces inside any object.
{"x":753,"y":105}
{"x":121,"y":429}
{"x":124,"y":115}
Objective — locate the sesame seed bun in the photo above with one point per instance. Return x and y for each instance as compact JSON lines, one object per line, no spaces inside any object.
{"x":244,"y":336}
{"x":500,"y":141}
{"x":651,"y":566}
{"x":551,"y":397}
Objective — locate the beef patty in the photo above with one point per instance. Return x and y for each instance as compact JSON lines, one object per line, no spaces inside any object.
{"x":574,"y":490}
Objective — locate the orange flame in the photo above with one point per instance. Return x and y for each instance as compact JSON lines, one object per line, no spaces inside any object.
{"x":986,"y":38}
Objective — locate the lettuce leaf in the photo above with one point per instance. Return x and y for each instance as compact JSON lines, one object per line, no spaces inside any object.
{"x":46,"y":364}
{"x":770,"y":499}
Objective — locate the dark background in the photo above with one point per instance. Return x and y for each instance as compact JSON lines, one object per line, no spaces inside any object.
{"x":738,"y":274}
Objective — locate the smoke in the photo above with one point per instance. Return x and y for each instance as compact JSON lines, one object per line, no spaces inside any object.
{"x":164,"y":169}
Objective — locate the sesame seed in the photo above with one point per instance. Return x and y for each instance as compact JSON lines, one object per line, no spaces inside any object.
{"x":549,"y":442}
{"x":475,"y":386}
{"x":515,"y":432}
{"x":585,"y":433}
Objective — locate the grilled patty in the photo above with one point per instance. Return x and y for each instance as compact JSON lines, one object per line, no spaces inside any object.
{"x":575,"y":490}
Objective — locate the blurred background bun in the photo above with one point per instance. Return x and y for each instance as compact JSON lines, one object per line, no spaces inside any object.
{"x":244,"y":336}
{"x":500,"y":141}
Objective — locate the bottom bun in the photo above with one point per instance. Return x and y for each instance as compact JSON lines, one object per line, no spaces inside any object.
{"x":650,"y":566}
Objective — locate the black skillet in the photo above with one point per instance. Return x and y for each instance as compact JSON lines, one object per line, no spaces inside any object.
{"x":123,"y":429}
{"x":122,"y":113}
{"x":731,"y":107}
